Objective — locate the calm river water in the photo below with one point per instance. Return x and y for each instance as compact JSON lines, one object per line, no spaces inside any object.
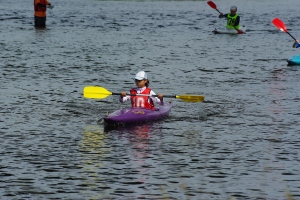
{"x":243,"y":142}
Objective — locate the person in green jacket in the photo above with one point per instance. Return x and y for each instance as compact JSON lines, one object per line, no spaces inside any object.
{"x":233,"y":19}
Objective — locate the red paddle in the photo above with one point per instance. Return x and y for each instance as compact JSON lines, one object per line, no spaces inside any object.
{"x":281,"y":26}
{"x":214,"y":6}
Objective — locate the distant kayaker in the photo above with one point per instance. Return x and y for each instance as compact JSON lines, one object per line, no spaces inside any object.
{"x":296,"y":44}
{"x":40,"y":8}
{"x":142,"y":88}
{"x":233,"y":19}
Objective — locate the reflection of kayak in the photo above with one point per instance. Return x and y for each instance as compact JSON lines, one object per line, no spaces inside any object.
{"x":227,"y":31}
{"x":294,"y":60}
{"x":137,"y":115}
{"x":141,"y":130}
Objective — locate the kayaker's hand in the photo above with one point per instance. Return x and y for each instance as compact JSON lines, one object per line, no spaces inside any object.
{"x":50,"y":6}
{"x":221,"y":15}
{"x":295,"y":44}
{"x":123,"y":94}
{"x":160,"y":96}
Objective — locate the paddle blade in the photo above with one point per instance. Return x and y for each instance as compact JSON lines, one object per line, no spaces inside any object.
{"x":279,"y":24}
{"x":212,"y":4}
{"x":95,"y":92}
{"x":190,"y":98}
{"x":240,"y":31}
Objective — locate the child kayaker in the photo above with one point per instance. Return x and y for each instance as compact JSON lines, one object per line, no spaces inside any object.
{"x":233,"y":19}
{"x":142,"y":88}
{"x":296,"y":44}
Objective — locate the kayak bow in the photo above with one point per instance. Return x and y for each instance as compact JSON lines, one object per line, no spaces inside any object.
{"x":294,"y":60}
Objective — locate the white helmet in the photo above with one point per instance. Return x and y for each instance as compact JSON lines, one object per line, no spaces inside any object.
{"x":233,"y":8}
{"x":141,"y":75}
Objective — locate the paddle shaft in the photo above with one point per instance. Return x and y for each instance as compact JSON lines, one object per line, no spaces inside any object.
{"x":218,"y":10}
{"x":97,"y":92}
{"x":291,"y":36}
{"x":167,"y":96}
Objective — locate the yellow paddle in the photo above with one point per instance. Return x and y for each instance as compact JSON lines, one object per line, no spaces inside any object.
{"x":97,"y":92}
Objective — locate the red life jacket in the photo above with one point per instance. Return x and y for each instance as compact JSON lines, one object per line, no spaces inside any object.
{"x":40,"y":11}
{"x":142,"y":101}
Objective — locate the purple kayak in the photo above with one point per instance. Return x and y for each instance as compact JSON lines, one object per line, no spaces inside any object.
{"x":137,"y":115}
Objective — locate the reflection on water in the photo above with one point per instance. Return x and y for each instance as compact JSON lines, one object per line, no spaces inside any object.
{"x":139,"y":143}
{"x":92,"y":150}
{"x":97,"y":149}
{"x":93,"y":143}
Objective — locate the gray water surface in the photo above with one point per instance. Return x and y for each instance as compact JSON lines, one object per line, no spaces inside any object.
{"x":241,"y":143}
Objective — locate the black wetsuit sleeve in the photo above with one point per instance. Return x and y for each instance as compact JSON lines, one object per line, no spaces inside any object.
{"x":237,"y":22}
{"x":225,"y":16}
